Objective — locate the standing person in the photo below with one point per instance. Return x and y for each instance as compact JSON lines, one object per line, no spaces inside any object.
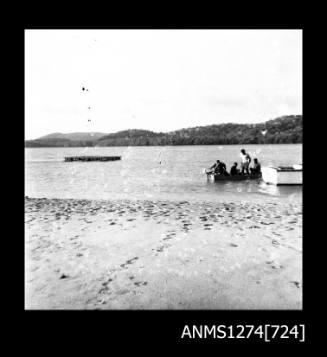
{"x":245,"y":162}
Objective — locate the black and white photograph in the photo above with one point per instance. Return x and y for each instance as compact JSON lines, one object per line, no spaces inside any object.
{"x":163,"y":169}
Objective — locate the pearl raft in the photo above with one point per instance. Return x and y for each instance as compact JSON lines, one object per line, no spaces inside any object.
{"x":92,"y":158}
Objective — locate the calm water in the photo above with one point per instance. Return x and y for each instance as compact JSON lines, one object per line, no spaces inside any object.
{"x":140,"y":175}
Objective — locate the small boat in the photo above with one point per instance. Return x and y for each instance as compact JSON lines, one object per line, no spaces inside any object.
{"x":283,"y":175}
{"x":215,"y":177}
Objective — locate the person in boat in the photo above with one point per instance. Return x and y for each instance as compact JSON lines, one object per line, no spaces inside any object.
{"x":213,"y":168}
{"x":245,"y":162}
{"x":234,"y":170}
{"x":219,"y":168}
{"x":256,"y":169}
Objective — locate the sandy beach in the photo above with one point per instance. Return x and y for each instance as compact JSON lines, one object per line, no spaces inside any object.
{"x":85,"y":254}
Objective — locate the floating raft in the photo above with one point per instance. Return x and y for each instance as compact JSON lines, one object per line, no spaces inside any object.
{"x":92,"y":158}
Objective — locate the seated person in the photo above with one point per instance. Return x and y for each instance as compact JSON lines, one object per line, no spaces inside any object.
{"x":219,"y":168}
{"x":234,"y":170}
{"x":214,"y":167}
{"x":256,"y":169}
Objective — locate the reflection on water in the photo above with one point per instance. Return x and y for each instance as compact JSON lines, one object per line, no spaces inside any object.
{"x":254,"y":187}
{"x":279,"y":190}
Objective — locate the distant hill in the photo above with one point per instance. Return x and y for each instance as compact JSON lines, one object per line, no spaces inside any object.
{"x":73,"y":136}
{"x":283,"y":130}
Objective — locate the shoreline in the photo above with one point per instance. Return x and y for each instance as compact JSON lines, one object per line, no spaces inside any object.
{"x":161,"y":254}
{"x":146,"y":146}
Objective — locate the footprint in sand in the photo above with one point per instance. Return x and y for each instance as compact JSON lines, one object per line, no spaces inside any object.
{"x":128,"y":262}
{"x":102,"y":302}
{"x":105,"y":285}
{"x":160,"y":249}
{"x":274,"y":265}
{"x":140,"y":283}
{"x":187,"y":225}
{"x":276,"y":234}
{"x":296,"y":283}
{"x":167,"y":238}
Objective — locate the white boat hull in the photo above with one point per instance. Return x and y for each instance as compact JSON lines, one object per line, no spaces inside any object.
{"x":282,"y":175}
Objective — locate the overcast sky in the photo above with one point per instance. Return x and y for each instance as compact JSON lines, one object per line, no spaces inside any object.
{"x":158,"y":80}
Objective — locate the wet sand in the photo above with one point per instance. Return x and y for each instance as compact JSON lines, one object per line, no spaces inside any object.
{"x":83,"y":254}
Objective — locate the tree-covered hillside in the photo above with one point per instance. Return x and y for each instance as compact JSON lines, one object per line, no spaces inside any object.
{"x":74,"y":136}
{"x":283,"y":130}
